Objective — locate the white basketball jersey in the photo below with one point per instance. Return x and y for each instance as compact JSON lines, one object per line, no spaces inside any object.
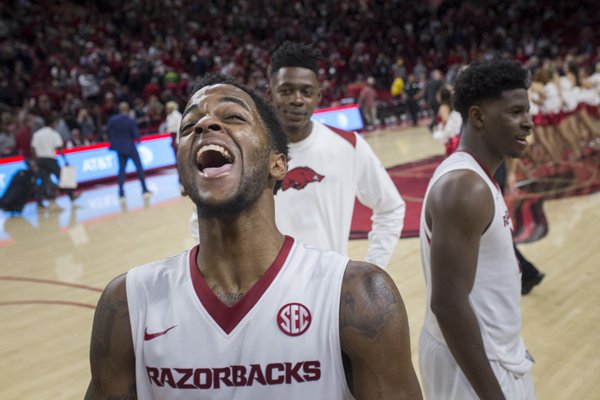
{"x":280,"y":341}
{"x":496,"y":294}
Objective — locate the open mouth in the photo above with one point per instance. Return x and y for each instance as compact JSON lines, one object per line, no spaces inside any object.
{"x":213,"y":160}
{"x":295,"y":114}
{"x":522,"y":140}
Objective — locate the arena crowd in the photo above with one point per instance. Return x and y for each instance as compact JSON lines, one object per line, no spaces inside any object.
{"x":82,"y":59}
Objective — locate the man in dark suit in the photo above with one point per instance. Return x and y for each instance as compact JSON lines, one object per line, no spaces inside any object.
{"x":122,"y":135}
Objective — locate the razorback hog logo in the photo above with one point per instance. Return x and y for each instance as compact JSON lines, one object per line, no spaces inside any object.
{"x":299,"y":177}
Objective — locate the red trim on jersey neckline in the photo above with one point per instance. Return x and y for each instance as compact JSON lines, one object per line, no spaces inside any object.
{"x":228,"y":317}
{"x":483,"y":167}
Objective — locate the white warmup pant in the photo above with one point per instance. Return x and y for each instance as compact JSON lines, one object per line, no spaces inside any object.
{"x":442,"y":378}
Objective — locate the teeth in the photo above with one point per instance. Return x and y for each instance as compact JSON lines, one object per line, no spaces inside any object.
{"x":214,"y":147}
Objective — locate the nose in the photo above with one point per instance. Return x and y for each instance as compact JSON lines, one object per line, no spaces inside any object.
{"x":297,"y":97}
{"x":207,"y":124}
{"x":528,"y":122}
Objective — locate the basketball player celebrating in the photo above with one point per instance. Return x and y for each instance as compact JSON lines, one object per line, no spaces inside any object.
{"x":470,"y":346}
{"x":248,"y":313}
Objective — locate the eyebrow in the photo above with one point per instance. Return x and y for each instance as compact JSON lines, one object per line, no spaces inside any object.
{"x":302,"y":85}
{"x":189,"y":109}
{"x":235,"y":100}
{"x":224,"y":99}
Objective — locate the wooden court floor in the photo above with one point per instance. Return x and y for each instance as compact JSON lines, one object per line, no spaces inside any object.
{"x":53,"y":265}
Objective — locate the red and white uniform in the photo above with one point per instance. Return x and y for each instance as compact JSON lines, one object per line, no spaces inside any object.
{"x":448,"y":133}
{"x":495,"y":300}
{"x":591,"y":96}
{"x":535,"y":109}
{"x":594,"y":79}
{"x":280,"y":341}
{"x":569,"y":94}
{"x":552,"y":106}
{"x":327,"y":171}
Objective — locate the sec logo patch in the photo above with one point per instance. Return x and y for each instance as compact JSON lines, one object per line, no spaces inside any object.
{"x":293,"y":319}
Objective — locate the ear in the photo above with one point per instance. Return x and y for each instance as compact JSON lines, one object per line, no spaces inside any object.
{"x":277,"y":166}
{"x":477,"y":117}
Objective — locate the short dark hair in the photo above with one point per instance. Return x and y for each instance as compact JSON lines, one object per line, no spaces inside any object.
{"x":291,"y":54}
{"x":276,"y":134}
{"x":445,"y":95}
{"x":483,"y":81}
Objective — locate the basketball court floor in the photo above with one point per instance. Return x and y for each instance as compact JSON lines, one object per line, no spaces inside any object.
{"x":54,"y":264}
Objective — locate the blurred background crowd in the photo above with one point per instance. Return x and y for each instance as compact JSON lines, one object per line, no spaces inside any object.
{"x":81,"y":59}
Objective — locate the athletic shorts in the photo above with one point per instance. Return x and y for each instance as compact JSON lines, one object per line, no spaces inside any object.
{"x":442,"y":378}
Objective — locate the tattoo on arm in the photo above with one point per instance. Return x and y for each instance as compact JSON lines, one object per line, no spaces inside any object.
{"x":374,"y":336}
{"x":105,"y":319}
{"x":375,"y":294}
{"x":108,"y":313}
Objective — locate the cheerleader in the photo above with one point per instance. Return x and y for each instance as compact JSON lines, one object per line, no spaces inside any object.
{"x":539,"y":145}
{"x":447,"y":131}
{"x":588,"y":97}
{"x":569,"y":89}
{"x":553,"y":112}
{"x":546,"y":117}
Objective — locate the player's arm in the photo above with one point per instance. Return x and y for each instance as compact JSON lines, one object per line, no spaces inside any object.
{"x":112,"y":358}
{"x":377,"y":191}
{"x":459,"y":209}
{"x":374,"y":336}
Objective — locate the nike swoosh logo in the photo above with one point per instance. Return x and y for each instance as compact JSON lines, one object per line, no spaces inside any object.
{"x":150,"y":336}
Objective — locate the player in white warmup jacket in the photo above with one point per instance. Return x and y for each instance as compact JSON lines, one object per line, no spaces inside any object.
{"x":329,"y":168}
{"x":248,"y":313}
{"x":470,"y":345}
{"x":327,"y":171}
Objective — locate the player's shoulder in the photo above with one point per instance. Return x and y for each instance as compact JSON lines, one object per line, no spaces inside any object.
{"x":458,"y":170}
{"x":327,"y":259}
{"x":366,"y":279}
{"x":460,"y":196}
{"x":461,"y":185}
{"x":115,"y":290}
{"x":350,"y":137}
{"x":368,"y":296}
{"x":160,"y":268}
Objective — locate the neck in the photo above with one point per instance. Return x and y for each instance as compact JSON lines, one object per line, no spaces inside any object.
{"x":298,"y":134}
{"x":235,"y":252}
{"x":471,"y":143}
